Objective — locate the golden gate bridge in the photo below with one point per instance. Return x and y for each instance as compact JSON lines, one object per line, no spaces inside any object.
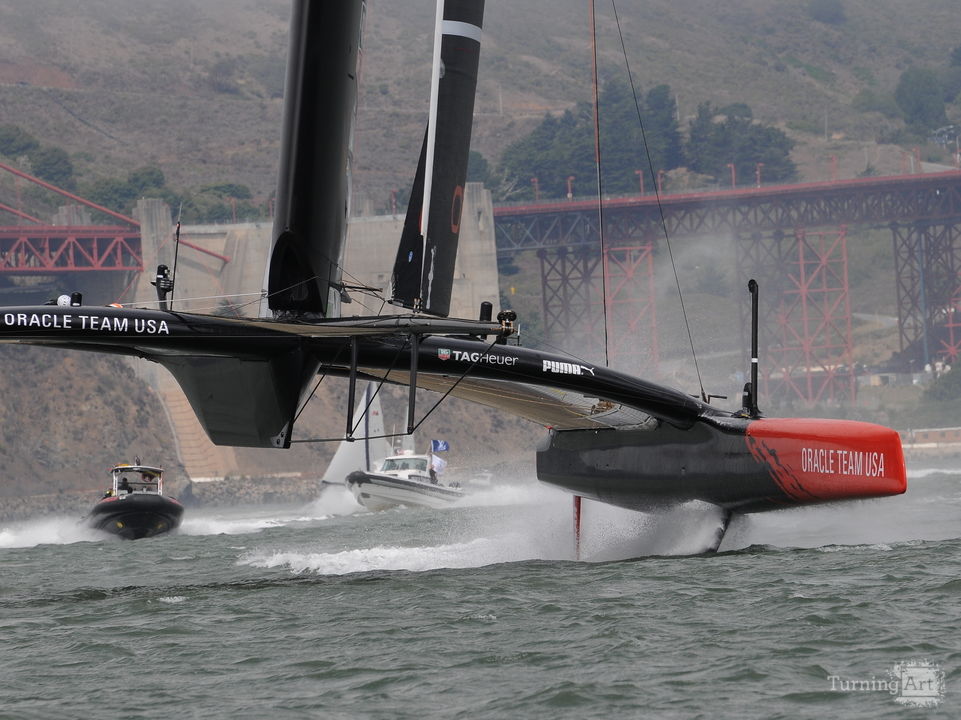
{"x":792,"y":238}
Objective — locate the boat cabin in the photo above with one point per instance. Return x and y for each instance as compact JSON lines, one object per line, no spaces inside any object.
{"x":136,"y":479}
{"x":405,"y":462}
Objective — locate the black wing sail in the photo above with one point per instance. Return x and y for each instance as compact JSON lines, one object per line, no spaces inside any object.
{"x":410,"y":253}
{"x":427,"y":285}
{"x":314,"y":184}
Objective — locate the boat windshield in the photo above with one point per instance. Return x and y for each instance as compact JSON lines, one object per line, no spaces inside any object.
{"x":405,"y":463}
{"x":134,"y":478}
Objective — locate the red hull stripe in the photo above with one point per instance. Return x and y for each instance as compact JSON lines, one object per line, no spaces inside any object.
{"x":820,"y":460}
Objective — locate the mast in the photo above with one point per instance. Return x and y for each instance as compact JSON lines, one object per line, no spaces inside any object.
{"x":367,"y":401}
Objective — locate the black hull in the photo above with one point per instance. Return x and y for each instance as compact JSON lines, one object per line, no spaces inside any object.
{"x":740,"y":464}
{"x":132,"y":517}
{"x":640,"y":469}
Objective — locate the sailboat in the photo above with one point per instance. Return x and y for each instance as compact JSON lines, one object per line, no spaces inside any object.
{"x":610,"y":436}
{"x":366,"y":448}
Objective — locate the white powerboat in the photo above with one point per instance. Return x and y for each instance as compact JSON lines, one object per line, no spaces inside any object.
{"x":404,"y":479}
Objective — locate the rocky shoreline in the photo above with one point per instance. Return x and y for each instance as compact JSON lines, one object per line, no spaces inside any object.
{"x":234,"y":491}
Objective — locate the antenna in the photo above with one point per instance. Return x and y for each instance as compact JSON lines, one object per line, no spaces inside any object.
{"x":750,"y":389}
{"x":173,"y":276}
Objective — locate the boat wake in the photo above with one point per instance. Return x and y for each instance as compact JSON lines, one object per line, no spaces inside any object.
{"x":334,"y":501}
{"x":232,"y":523}
{"x":508,"y":524}
{"x":609,"y":533}
{"x":521,"y":493}
{"x":47,"y":531}
{"x":475,"y":553}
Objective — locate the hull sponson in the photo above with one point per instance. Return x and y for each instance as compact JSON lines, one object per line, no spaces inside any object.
{"x":737,"y":463}
{"x":243,"y":379}
{"x":314,"y":183}
{"x":820,"y":460}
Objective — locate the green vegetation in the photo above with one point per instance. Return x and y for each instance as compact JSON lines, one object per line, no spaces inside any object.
{"x":946,"y":388}
{"x":562,"y":147}
{"x":15,"y":141}
{"x":871,"y":101}
{"x":223,"y":203}
{"x":219,"y":202}
{"x":830,"y":12}
{"x":48,"y":163}
{"x":920,"y":97}
{"x":478,"y":169}
{"x":53,"y":165}
{"x":717,"y":142}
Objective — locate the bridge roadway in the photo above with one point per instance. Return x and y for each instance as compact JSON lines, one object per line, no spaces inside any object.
{"x":930,"y":197}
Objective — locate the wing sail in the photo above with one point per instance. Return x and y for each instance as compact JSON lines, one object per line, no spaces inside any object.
{"x":314,"y":184}
{"x":424,"y":280}
{"x":409,"y":264}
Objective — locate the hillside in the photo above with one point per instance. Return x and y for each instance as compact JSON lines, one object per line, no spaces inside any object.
{"x":67,"y":417}
{"x":195,"y":85}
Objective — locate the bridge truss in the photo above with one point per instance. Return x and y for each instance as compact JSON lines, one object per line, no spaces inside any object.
{"x":793,"y":238}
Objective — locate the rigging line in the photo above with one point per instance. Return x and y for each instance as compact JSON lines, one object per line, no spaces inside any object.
{"x":356,"y":439}
{"x":454,"y":386}
{"x":364,"y":415}
{"x":173,"y":274}
{"x":340,"y":439}
{"x":414,"y":389}
{"x":597,"y":166}
{"x":329,"y":365}
{"x":660,"y":207}
{"x":202,"y":297}
{"x":380,"y":384}
{"x":289,"y":287}
{"x":565,"y":352}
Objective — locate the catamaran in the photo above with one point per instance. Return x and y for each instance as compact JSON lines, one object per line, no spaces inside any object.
{"x":610,"y":436}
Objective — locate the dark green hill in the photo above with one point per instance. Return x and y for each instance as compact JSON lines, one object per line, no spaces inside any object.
{"x":195,"y":85}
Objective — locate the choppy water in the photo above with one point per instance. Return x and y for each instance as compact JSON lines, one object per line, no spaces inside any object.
{"x":481,"y":611}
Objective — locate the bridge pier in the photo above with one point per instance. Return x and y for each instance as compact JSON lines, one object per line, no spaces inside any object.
{"x":805,"y":314}
{"x":927,"y":258}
